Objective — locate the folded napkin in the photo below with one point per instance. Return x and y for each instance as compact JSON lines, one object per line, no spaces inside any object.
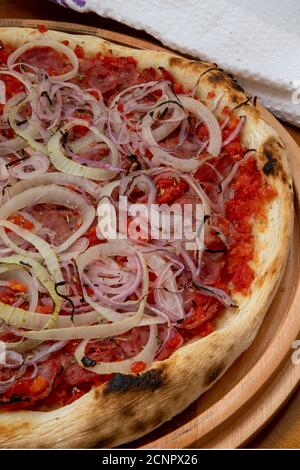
{"x":258,"y":41}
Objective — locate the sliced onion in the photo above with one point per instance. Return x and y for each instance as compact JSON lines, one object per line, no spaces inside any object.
{"x":56,"y":178}
{"x":44,"y":351}
{"x":234,"y":170}
{"x":40,"y":165}
{"x":17,"y":316}
{"x":144,"y":183}
{"x":66,"y":165}
{"x":56,"y":45}
{"x":113,"y":248}
{"x":22,"y":276}
{"x":38,"y":321}
{"x":236,"y":131}
{"x":32,"y":131}
{"x":4,"y":174}
{"x":2,"y":92}
{"x":104,"y":330}
{"x":78,"y":247}
{"x":146,"y":355}
{"x":19,"y":77}
{"x":42,"y":247}
{"x":169,"y":299}
{"x":160,"y":156}
{"x":52,"y":194}
{"x":207,"y":117}
{"x":219,"y":294}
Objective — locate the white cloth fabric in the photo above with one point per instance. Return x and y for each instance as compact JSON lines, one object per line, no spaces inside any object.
{"x":257,"y":40}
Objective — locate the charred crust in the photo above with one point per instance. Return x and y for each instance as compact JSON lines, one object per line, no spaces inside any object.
{"x":216,"y":77}
{"x":272,"y":151}
{"x":221,"y":77}
{"x":236,"y":86}
{"x":150,"y":380}
{"x":268,"y":167}
{"x":212,"y":374}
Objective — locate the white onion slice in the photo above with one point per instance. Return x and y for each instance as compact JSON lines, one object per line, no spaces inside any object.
{"x":2,"y":92}
{"x":67,"y":165}
{"x":41,"y":245}
{"x":52,"y":194}
{"x":113,"y":248}
{"x":171,"y":300}
{"x":210,"y":121}
{"x":37,"y":321}
{"x":16,"y":273}
{"x":40,"y":165}
{"x":146,"y":355}
{"x":78,"y":247}
{"x":32,"y":131}
{"x":18,"y":316}
{"x":160,"y":156}
{"x":56,"y":178}
{"x":18,"y":76}
{"x":58,"y":46}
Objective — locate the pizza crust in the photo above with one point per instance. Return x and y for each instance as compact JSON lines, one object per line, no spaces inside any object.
{"x":128,"y":407}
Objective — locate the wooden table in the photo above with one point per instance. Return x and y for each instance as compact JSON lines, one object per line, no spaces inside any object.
{"x":284,"y":430}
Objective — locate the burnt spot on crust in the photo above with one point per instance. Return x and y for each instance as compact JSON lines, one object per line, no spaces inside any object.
{"x":221,"y":77}
{"x":272,"y":151}
{"x":236,"y":86}
{"x":270,"y":166}
{"x":213,"y":373}
{"x":216,"y":77}
{"x":150,"y":380}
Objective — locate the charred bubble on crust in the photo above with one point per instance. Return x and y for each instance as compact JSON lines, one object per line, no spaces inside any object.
{"x":272,"y":154}
{"x":213,"y":373}
{"x":269,"y":167}
{"x":216,"y":77}
{"x":150,"y":380}
{"x":236,"y":86}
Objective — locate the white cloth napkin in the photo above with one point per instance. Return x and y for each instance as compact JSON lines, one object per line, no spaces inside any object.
{"x":256,"y":40}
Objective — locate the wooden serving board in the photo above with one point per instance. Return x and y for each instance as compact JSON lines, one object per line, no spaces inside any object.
{"x":263,"y":378}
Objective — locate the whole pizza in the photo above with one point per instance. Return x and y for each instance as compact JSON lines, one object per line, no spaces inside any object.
{"x":145,"y":218}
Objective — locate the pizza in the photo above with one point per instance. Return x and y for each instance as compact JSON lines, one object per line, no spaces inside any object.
{"x":108,"y":331}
